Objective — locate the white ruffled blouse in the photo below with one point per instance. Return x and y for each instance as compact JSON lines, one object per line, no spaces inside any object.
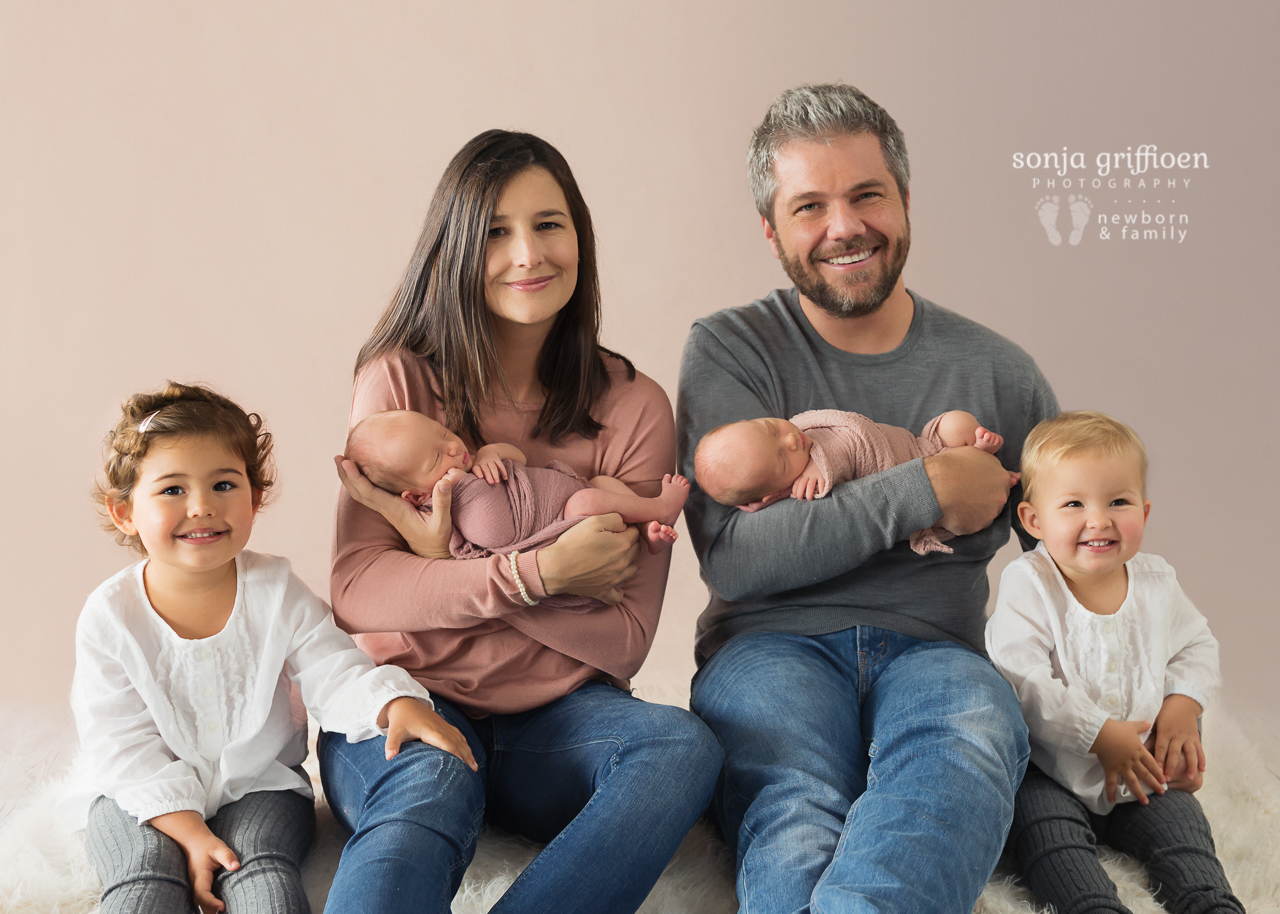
{"x":1072,"y":669}
{"x":169,"y":724}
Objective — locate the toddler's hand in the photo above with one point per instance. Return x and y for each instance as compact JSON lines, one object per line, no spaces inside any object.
{"x":1175,"y":743}
{"x":409,"y":719}
{"x":1119,"y":748}
{"x":488,"y":465}
{"x":206,"y":854}
{"x":808,"y":483}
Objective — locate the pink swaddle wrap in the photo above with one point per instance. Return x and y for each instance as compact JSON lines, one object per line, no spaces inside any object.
{"x":522,"y":512}
{"x":849,"y":446}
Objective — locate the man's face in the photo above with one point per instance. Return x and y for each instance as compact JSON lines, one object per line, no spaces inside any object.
{"x":840,"y":226}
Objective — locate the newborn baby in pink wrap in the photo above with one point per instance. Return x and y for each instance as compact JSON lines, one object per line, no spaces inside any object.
{"x":752,"y":464}
{"x":499,"y":504}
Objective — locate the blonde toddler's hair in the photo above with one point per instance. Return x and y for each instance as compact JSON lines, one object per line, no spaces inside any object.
{"x":1081,"y":431}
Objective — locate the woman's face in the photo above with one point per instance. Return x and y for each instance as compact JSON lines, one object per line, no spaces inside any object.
{"x":531,"y":258}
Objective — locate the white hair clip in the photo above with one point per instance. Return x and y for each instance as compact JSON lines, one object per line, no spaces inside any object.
{"x":145,"y":424}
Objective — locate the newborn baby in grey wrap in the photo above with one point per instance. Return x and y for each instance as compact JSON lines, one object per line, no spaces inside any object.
{"x":499,"y":504}
{"x":756,"y":462}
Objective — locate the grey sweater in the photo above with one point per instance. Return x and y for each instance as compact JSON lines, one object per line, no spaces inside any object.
{"x":811,"y":567}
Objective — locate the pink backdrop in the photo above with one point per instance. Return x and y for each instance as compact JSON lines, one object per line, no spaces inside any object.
{"x":228,"y":193}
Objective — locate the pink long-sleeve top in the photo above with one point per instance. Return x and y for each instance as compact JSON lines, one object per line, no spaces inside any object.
{"x":460,"y":627}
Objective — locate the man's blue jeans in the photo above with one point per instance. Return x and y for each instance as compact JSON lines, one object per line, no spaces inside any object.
{"x":611,"y":783}
{"x":864,"y":770}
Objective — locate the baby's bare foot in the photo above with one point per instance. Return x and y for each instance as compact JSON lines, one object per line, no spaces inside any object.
{"x":987,"y":440}
{"x":675,"y":492}
{"x":659,"y":536}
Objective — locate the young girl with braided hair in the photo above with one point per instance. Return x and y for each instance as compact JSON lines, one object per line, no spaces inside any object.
{"x":189,"y":666}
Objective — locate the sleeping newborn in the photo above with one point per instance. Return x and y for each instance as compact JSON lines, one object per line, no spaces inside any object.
{"x":756,"y":462}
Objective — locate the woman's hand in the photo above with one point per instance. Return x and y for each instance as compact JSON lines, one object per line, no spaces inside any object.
{"x":206,"y":854}
{"x":593,"y":558}
{"x":427,"y":534}
{"x":407,"y":719}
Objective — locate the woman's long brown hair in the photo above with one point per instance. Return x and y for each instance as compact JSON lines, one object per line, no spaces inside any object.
{"x":439,"y":311}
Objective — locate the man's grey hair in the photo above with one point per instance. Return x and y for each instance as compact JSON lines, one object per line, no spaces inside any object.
{"x":820,"y":113}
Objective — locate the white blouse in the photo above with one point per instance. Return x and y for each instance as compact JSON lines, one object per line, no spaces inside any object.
{"x":169,"y":724}
{"x":1072,"y":669}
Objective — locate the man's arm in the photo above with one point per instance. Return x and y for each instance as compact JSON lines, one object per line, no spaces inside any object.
{"x":791,"y":544}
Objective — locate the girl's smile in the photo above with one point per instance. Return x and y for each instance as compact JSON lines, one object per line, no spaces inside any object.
{"x":192,"y":506}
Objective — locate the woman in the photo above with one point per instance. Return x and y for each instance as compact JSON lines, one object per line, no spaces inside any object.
{"x":494,"y":333}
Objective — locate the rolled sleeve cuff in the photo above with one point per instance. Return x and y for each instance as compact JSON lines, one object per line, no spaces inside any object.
{"x":915,"y":506}
{"x":383,"y":695}
{"x":527,"y":564}
{"x":1192,"y":691}
{"x":145,"y":811}
{"x":1090,"y":730}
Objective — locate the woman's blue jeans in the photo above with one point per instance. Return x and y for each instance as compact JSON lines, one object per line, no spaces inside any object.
{"x":610,"y":783}
{"x":865,"y":770}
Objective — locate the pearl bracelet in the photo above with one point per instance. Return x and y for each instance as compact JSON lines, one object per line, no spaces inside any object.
{"x":515,"y":573}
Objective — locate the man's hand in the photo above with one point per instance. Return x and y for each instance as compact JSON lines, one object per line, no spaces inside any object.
{"x":809,"y":483}
{"x":407,"y":719}
{"x":1175,"y":743}
{"x":971,"y":487}
{"x":1119,"y":748}
{"x":206,"y":854}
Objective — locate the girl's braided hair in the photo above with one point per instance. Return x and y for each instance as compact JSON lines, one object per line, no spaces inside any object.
{"x":177,"y":411}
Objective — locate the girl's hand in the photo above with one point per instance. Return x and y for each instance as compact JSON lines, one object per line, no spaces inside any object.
{"x":1175,"y":743}
{"x":427,"y":534}
{"x":206,"y":854}
{"x":808,"y":483}
{"x":1119,"y":748}
{"x":593,"y":558}
{"x":407,"y":719}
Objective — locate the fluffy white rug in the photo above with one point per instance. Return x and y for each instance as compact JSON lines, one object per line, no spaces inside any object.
{"x":43,"y":867}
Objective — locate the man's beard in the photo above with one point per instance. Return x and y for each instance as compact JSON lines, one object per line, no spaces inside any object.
{"x":839,"y":302}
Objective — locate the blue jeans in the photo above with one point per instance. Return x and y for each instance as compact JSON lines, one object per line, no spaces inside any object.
{"x":610,"y":783}
{"x":864,"y":770}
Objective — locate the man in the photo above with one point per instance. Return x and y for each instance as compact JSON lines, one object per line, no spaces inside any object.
{"x":872,"y":752}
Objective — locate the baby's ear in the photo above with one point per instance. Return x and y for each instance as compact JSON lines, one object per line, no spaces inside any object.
{"x":1030,"y":522}
{"x":121,"y":515}
{"x":417,"y":499}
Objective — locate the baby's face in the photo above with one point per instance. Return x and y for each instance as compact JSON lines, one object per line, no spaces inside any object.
{"x":773,"y":452}
{"x":421,"y":451}
{"x":1090,"y":512}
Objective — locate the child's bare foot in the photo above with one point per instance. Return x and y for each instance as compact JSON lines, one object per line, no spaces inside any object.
{"x":658,"y":536}
{"x":675,"y":492}
{"x":987,"y":440}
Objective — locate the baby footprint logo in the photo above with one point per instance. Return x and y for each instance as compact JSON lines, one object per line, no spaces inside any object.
{"x":1080,"y":207}
{"x":1047,"y":210}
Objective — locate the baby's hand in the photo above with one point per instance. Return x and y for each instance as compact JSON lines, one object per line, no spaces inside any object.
{"x":488,"y":465}
{"x":409,"y":719}
{"x":1175,"y":743}
{"x":808,"y":483}
{"x":1124,"y":758}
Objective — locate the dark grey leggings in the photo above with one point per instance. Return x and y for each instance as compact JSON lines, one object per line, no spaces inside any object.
{"x":1054,"y":842}
{"x":144,"y":870}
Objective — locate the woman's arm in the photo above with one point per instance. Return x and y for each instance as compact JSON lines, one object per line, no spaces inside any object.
{"x":376,"y":584}
{"x":638,"y":447}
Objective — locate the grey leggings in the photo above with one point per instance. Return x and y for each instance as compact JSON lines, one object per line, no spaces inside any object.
{"x":144,"y":870}
{"x":1054,"y":843}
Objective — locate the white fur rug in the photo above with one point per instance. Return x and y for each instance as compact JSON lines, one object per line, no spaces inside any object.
{"x":43,"y":867}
